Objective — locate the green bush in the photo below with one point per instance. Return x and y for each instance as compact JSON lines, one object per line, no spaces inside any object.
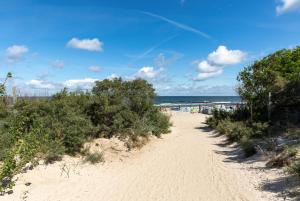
{"x":283,"y":158}
{"x":259,"y":129}
{"x":125,"y":109}
{"x":224,"y":127}
{"x":212,"y":122}
{"x":234,"y":131}
{"x":294,"y":169}
{"x":94,"y":158}
{"x":47,"y":129}
{"x":247,"y":146}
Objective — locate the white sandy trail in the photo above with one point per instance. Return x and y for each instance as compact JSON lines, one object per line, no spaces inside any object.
{"x":182,"y":166}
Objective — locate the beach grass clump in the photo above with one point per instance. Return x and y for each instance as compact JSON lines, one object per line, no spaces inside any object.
{"x":234,"y":131}
{"x":294,"y":168}
{"x":93,"y":158}
{"x":284,"y":158}
{"x":248,"y":146}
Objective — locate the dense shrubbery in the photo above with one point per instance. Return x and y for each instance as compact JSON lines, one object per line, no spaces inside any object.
{"x":125,"y":108}
{"x":277,"y":74}
{"x":229,"y":124}
{"x":47,"y":129}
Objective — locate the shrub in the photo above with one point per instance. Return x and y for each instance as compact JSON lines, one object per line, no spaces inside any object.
{"x":233,"y":130}
{"x":247,"y":146}
{"x":224,"y":127}
{"x":94,"y":158}
{"x":294,"y":168}
{"x":239,"y":130}
{"x":212,"y":122}
{"x":159,"y":122}
{"x":259,"y":129}
{"x":284,"y":158}
{"x":47,"y":129}
{"x":125,"y":109}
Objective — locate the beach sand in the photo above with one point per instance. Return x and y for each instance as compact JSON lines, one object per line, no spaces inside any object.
{"x":185,"y":165}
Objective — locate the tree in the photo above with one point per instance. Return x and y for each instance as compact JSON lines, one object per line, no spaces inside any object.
{"x":272,"y":74}
{"x":2,"y":85}
{"x":125,"y":108}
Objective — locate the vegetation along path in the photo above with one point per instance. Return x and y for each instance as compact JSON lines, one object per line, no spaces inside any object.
{"x":183,"y":166}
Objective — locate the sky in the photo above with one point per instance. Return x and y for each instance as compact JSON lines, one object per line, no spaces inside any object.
{"x":182,"y":47}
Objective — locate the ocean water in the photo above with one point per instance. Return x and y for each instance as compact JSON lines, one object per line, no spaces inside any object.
{"x":195,"y":99}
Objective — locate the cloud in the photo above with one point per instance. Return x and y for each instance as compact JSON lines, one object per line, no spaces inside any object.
{"x":148,"y":73}
{"x":95,"y":69}
{"x":58,"y":64}
{"x":223,"y":56}
{"x":112,"y":76}
{"x":216,"y":61}
{"x":206,"y":75}
{"x":151,"y":49}
{"x":182,"y":2}
{"x":41,"y":84}
{"x":178,"y":25}
{"x":86,"y":83}
{"x":205,"y":67}
{"x":188,"y":89}
{"x":163,"y":61}
{"x":16,"y":52}
{"x":288,"y":6}
{"x":86,"y":44}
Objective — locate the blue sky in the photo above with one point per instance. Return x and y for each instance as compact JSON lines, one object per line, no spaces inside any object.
{"x":183,"y":47}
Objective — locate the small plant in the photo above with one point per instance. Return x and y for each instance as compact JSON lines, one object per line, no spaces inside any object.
{"x":294,"y":168}
{"x":293,"y":132}
{"x":94,"y":158}
{"x":284,"y":158}
{"x":212,"y":122}
{"x":259,"y":129}
{"x":247,"y":146}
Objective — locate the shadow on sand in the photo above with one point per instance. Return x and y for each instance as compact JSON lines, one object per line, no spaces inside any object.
{"x":284,"y":186}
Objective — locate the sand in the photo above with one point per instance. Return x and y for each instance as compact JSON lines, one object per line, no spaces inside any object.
{"x":185,"y":165}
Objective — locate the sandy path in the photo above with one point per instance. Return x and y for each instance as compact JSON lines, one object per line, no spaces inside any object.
{"x":182,"y":166}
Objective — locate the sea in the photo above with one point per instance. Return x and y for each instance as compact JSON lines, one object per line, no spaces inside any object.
{"x":196,"y":99}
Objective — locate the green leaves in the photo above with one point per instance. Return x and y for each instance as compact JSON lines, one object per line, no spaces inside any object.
{"x":118,"y":105}
{"x":274,"y":74}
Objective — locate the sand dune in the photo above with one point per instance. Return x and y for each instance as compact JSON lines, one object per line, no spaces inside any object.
{"x":182,"y":166}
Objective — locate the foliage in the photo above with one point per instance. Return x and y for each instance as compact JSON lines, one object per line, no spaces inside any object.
{"x":294,"y":168}
{"x":47,"y":129}
{"x":125,"y":108}
{"x":247,"y":146}
{"x":20,"y":153}
{"x":94,"y":158}
{"x":259,"y":129}
{"x":283,"y":158}
{"x":277,"y":73}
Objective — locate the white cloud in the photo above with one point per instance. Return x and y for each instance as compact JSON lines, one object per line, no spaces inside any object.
{"x":205,"y":75}
{"x":287,"y":6}
{"x":205,"y":67}
{"x":86,"y":44}
{"x":163,"y":61}
{"x":95,"y":69}
{"x":112,"y":76}
{"x":216,"y":61}
{"x":58,"y":64}
{"x":16,"y":52}
{"x":188,"y":89}
{"x":223,"y":56}
{"x":86,"y":83}
{"x":147,"y":73}
{"x":40,"y":84}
